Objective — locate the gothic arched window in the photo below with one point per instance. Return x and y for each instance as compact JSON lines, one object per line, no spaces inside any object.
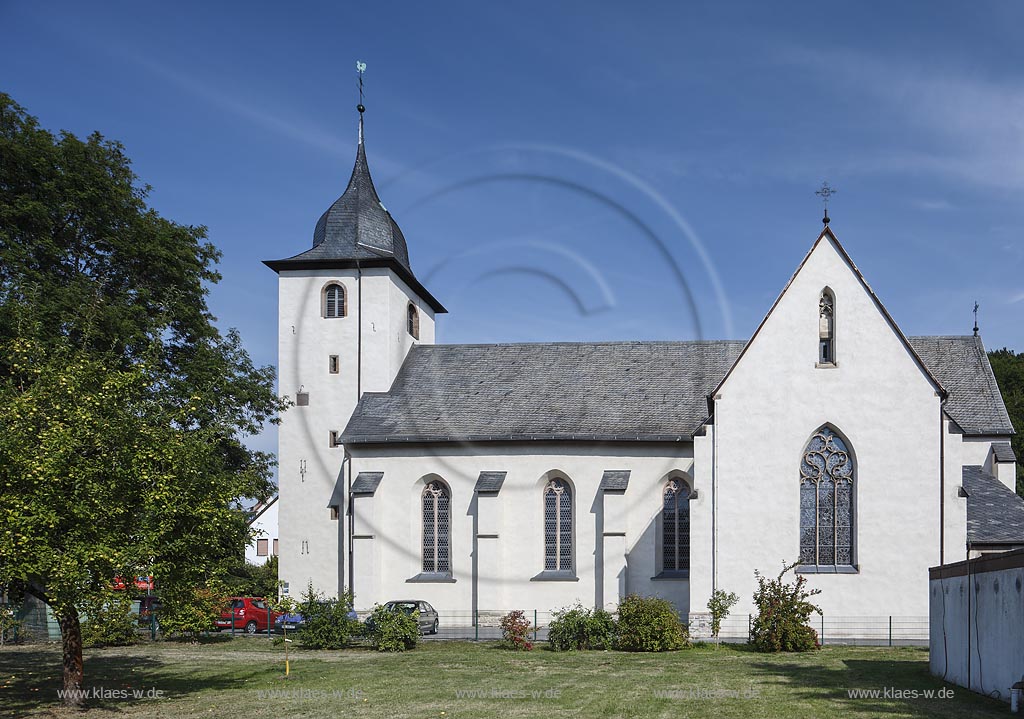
{"x":557,"y":526}
{"x":436,"y":528}
{"x":675,"y":527}
{"x":413,"y":324}
{"x":826,"y":501}
{"x":334,"y":300}
{"x":827,"y":328}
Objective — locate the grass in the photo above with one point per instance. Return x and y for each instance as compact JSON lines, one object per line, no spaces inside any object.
{"x":223,"y":679}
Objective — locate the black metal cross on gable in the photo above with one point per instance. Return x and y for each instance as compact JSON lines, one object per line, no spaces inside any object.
{"x":825,"y":192}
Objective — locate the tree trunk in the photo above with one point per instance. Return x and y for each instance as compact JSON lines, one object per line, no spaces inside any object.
{"x":71,"y":642}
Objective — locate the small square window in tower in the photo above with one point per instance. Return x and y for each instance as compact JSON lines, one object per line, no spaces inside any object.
{"x":334,"y":364}
{"x":335,"y":438}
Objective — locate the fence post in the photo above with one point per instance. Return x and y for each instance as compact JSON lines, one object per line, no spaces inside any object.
{"x":476,"y":625}
{"x":822,"y":629}
{"x":269,"y":623}
{"x":890,"y":630}
{"x":152,"y":623}
{"x":750,"y":627}
{"x":534,"y":626}
{"x":232,"y":619}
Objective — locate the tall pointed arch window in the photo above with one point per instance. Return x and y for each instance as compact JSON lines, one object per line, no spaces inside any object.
{"x":437,"y":502}
{"x":675,"y":527}
{"x":557,"y":526}
{"x":826,"y":503}
{"x":334,"y":301}
{"x":413,"y":321}
{"x":827,"y":328}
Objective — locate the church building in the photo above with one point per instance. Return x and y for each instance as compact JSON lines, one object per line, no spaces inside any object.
{"x":521,"y":476}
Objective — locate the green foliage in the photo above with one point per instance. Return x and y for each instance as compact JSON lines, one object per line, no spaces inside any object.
{"x":783,"y":612}
{"x":253,"y":580}
{"x":108,"y":620}
{"x":392,"y":630}
{"x":719,"y":605}
{"x":1008,"y":368}
{"x":576,"y":628}
{"x":515,"y":631}
{"x":649,"y":624}
{"x":327,"y":625}
{"x":189,"y":612}
{"x":10,"y":625}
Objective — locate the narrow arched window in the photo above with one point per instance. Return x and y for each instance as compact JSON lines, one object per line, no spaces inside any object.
{"x":436,"y":529}
{"x":675,"y":527}
{"x":557,"y":526}
{"x":413,"y":324}
{"x":826,"y":501}
{"x":827,"y":328}
{"x":334,"y":301}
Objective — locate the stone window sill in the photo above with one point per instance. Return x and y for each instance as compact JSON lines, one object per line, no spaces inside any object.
{"x":551,"y":576}
{"x":828,"y":569}
{"x":431,"y":578}
{"x":669,"y":576}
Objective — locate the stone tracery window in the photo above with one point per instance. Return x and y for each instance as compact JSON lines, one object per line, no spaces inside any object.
{"x":436,"y":528}
{"x":826,"y":501}
{"x":675,"y":527}
{"x":558,"y":526}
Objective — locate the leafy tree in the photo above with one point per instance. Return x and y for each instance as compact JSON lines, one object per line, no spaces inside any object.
{"x":122,"y":407}
{"x":253,"y":580}
{"x":720,"y":604}
{"x":1008,"y":368}
{"x":189,"y":611}
{"x":109,"y":621}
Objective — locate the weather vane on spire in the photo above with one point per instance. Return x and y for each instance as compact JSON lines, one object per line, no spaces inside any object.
{"x":825,"y":192}
{"x":975,"y":318}
{"x":360,"y":68}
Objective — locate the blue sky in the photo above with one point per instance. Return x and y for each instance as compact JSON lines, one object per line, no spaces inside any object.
{"x":570,"y":171}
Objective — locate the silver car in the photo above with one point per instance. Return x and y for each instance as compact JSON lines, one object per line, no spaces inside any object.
{"x":428,"y":616}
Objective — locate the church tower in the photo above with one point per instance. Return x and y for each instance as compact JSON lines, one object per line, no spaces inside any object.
{"x":349,"y":309}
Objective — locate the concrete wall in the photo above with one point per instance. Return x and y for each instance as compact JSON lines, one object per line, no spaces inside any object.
{"x":976,"y":615}
{"x":308,"y":466}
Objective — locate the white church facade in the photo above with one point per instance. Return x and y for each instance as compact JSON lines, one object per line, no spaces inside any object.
{"x":496,"y":477}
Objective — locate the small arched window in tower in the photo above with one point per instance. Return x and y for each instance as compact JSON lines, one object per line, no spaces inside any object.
{"x":827,"y":328}
{"x":413,"y":324}
{"x":675,"y":527}
{"x":334,"y":301}
{"x":557,"y":526}
{"x":436,"y":529}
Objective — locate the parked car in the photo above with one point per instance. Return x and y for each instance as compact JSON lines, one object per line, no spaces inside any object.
{"x":428,"y":620}
{"x":251,"y":615}
{"x":295,"y":620}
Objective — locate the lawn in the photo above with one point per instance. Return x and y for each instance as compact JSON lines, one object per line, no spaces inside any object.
{"x":229,"y":678}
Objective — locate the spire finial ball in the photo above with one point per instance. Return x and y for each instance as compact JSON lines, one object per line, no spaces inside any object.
{"x":361,"y":108}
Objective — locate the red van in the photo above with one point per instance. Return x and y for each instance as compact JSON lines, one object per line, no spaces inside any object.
{"x":251,"y":615}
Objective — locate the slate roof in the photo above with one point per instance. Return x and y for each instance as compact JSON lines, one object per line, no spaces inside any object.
{"x":1003,"y":452}
{"x":615,"y":480}
{"x":546,"y":391}
{"x":995,"y":514}
{"x":639,"y":391}
{"x":961,"y":366}
{"x":490,"y":482}
{"x":367,"y":482}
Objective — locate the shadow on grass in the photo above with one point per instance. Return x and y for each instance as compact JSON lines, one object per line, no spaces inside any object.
{"x":815,"y":678}
{"x":31,"y":678}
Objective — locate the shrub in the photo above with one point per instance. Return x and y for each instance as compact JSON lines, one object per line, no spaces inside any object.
{"x":515,"y":631}
{"x":10,"y":625}
{"x":720,"y":603}
{"x":578,"y":628}
{"x":326,"y":620}
{"x":190,"y":612}
{"x":392,"y":630}
{"x":108,"y":621}
{"x":650,"y":624}
{"x":783,"y":612}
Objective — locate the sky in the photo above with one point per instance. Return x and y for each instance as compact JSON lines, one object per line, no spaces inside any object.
{"x":569,"y":171}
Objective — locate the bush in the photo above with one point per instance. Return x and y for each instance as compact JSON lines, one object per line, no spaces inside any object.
{"x":576,"y":628}
{"x":392,"y":630}
{"x":327,"y":624}
{"x":10,"y":625}
{"x":781,"y":624}
{"x":719,"y":605}
{"x":108,"y":621}
{"x":190,"y":612}
{"x":650,"y":624}
{"x":515,"y":631}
